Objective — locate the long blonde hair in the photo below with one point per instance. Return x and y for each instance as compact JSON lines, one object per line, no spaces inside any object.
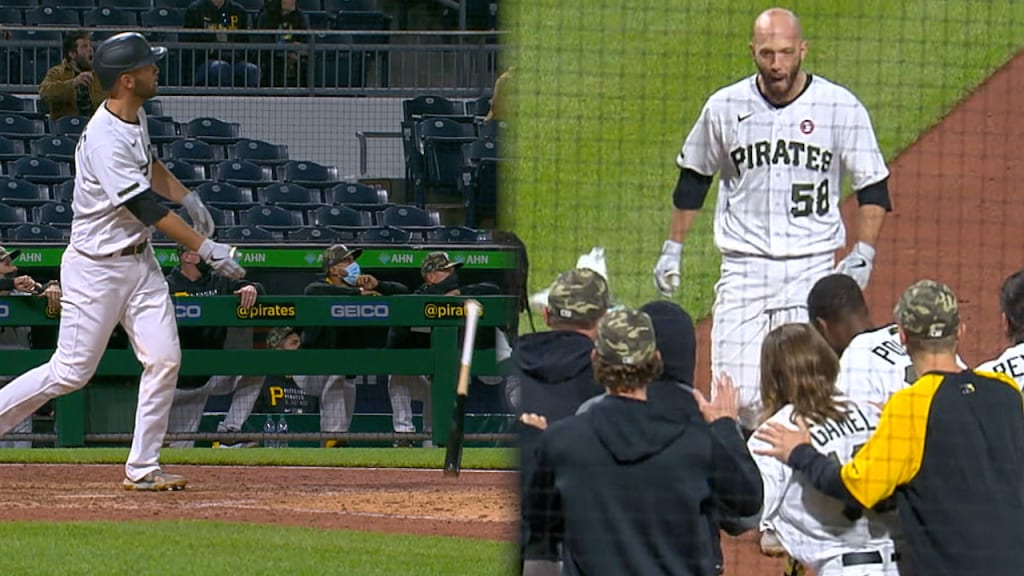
{"x":798,"y":367}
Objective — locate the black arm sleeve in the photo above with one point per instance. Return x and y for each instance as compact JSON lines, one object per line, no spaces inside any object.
{"x":877,"y":194}
{"x":541,"y":513}
{"x":823,"y":473}
{"x":145,"y":207}
{"x":6,"y":284}
{"x":691,"y":190}
{"x":735,"y":477}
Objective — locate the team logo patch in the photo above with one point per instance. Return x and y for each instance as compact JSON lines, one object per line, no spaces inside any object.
{"x":807,"y":126}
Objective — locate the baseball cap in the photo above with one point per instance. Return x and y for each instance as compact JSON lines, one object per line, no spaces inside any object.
{"x":626,"y":337}
{"x":277,"y":335}
{"x":580,"y":294}
{"x":438,"y":261}
{"x":12,"y":254}
{"x":928,"y":309}
{"x":338,"y":252}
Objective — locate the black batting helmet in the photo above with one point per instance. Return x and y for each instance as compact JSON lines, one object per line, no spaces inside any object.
{"x":123,"y":53}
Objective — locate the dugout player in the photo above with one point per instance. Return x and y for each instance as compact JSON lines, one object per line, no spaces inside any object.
{"x":623,"y":491}
{"x":798,"y":379}
{"x":780,"y":141}
{"x":109,"y":273}
{"x":948,"y":447}
{"x":1011,"y":302}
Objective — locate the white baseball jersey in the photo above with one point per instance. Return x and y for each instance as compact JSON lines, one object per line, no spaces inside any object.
{"x":1010,"y":362}
{"x":810,"y":525}
{"x":781,"y":168}
{"x":114,"y":164}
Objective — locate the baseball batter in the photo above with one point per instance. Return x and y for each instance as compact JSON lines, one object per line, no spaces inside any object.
{"x":814,"y":529}
{"x":781,"y":141}
{"x":109,"y":272}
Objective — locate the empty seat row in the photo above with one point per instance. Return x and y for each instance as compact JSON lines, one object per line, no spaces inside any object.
{"x":249,"y":5}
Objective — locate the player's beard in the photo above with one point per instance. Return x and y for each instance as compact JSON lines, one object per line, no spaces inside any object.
{"x":145,"y":92}
{"x":779,"y":89}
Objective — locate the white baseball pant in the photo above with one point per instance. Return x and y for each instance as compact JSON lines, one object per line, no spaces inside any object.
{"x":403,"y":390}
{"x":754,"y":296}
{"x":337,"y":399}
{"x":99,"y":293}
{"x":189,"y":405}
{"x":23,"y":427}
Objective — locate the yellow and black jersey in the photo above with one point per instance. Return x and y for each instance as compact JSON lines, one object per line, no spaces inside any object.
{"x":950,"y":448}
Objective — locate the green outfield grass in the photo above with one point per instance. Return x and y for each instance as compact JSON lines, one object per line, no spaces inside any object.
{"x":472,"y":458}
{"x":195,"y":548}
{"x":607,"y":91}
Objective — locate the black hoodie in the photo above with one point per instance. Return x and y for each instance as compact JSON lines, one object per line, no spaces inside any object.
{"x":626,"y":490}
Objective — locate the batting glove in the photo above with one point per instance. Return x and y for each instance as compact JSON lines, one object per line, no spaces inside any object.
{"x":858,"y":264}
{"x":202,"y":222}
{"x":666,"y":271}
{"x":221,"y":258}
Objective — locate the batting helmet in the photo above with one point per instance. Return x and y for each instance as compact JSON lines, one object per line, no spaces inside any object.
{"x":123,"y":53}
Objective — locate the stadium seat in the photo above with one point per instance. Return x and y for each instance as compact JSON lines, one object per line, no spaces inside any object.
{"x":64,"y":192}
{"x":271,"y":218}
{"x":355,"y":194}
{"x":60,"y":148}
{"x":36,"y":36}
{"x":211,"y":130}
{"x":41,"y":170}
{"x":15,"y":192}
{"x":21,"y":3}
{"x":479,"y":106}
{"x":310,"y":174}
{"x":259,"y":152}
{"x":51,"y":16}
{"x":350,"y":6}
{"x":318,"y":236}
{"x":126,"y":4}
{"x":336,"y":67}
{"x":385,"y":235}
{"x":153,"y":107}
{"x":242,"y":173}
{"x":443,"y":141}
{"x":492,"y":129}
{"x":11,"y":215}
{"x":53,"y":213}
{"x":339,"y":216}
{"x":242,"y":234}
{"x":107,"y":16}
{"x":161,"y":131}
{"x":308,"y":5}
{"x":9,"y":103}
{"x":168,"y":3}
{"x":36,"y":233}
{"x":11,"y":16}
{"x":457,"y":235}
{"x":168,"y":17}
{"x":319,"y":20}
{"x":221,"y":218}
{"x":289,"y":196}
{"x":71,"y":126}
{"x":480,"y":182}
{"x":409,"y":217}
{"x":18,"y":127}
{"x":250,"y":5}
{"x":189,"y":174}
{"x":31,"y":65}
{"x":11,"y":149}
{"x":416,"y":108}
{"x":224,"y":195}
{"x":195,"y":152}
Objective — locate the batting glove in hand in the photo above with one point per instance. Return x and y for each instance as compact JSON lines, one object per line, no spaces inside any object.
{"x":666,"y":271}
{"x":202,"y":222}
{"x":858,"y":264}
{"x":221,"y":258}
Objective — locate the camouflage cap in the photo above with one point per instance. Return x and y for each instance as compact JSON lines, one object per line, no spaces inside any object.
{"x":277,"y":335}
{"x":579,"y":294}
{"x":438,"y":261}
{"x":338,"y":252}
{"x":928,"y":309}
{"x":12,"y":254}
{"x":626,"y":337}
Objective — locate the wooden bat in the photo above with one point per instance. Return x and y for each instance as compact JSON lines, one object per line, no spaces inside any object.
{"x":456,"y":433}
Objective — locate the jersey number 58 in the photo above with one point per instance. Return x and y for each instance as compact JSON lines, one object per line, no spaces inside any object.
{"x":808,"y":199}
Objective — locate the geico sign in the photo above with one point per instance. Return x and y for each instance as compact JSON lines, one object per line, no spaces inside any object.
{"x":188,"y":311}
{"x":5,"y":311}
{"x":377,"y":311}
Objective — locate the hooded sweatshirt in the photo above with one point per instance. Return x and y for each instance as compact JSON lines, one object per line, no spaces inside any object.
{"x":626,"y":489}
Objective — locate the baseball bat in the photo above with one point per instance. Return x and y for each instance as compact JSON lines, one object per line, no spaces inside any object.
{"x":456,"y":432}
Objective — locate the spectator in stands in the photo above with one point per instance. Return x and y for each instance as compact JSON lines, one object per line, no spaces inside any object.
{"x":70,"y":88}
{"x":440,"y":278}
{"x":283,"y":68}
{"x":221,"y":67}
{"x":193,"y":277}
{"x":342,"y":277}
{"x":20,"y":337}
{"x":499,"y":100}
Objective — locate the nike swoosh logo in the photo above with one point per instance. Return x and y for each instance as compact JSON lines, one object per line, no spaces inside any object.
{"x":741,"y":118}
{"x":862,"y":264}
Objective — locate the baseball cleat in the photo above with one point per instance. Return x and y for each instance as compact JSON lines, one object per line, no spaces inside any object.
{"x":157,"y":481}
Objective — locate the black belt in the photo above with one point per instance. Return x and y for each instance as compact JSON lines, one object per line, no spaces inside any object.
{"x":132,"y":250}
{"x":861,"y":558}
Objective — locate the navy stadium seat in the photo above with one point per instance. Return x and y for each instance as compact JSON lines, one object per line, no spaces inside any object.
{"x":243,"y":234}
{"x":54,"y":214}
{"x":189,"y":174}
{"x":224,"y":195}
{"x":492,"y":129}
{"x":15,"y":105}
{"x":457,"y":235}
{"x":169,"y":17}
{"x":11,"y":215}
{"x":11,"y":149}
{"x":259,"y":152}
{"x":310,"y":174}
{"x":211,"y":130}
{"x":64,"y":192}
{"x":385,"y":235}
{"x":15,"y":192}
{"x":416,"y":108}
{"x":289,"y":195}
{"x":339,"y":216}
{"x":317,"y":235}
{"x":350,"y":5}
{"x":60,"y":148}
{"x":161,"y":131}
{"x":308,"y":5}
{"x":353,"y":193}
{"x":479,"y":106}
{"x":41,"y":170}
{"x":21,"y":3}
{"x":443,"y":155}
{"x":107,"y":16}
{"x":153,"y":107}
{"x":69,"y":126}
{"x":242,"y":173}
{"x":408,"y":217}
{"x":21,"y":128}
{"x":51,"y":16}
{"x":126,"y":4}
{"x":271,"y":217}
{"x":194,"y":151}
{"x":221,"y":218}
{"x":10,"y":15}
{"x":36,"y":233}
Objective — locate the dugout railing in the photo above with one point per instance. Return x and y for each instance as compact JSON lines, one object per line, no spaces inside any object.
{"x":441,"y":314}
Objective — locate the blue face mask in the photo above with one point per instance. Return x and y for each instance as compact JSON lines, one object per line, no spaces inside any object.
{"x":352,"y":272}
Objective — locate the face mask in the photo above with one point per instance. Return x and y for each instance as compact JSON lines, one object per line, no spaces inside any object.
{"x":352,"y":272}
{"x":203,"y":267}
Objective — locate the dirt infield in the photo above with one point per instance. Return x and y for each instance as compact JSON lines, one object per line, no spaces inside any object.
{"x":476,"y":505}
{"x":955,"y":217}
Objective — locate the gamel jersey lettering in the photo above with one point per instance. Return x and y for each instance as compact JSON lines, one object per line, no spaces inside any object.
{"x":781,"y":168}
{"x":813,"y":527}
{"x":113,"y":165}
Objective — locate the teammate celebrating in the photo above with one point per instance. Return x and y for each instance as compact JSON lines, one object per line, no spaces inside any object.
{"x":799,"y":372}
{"x":109,"y":272}
{"x":781,"y":141}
